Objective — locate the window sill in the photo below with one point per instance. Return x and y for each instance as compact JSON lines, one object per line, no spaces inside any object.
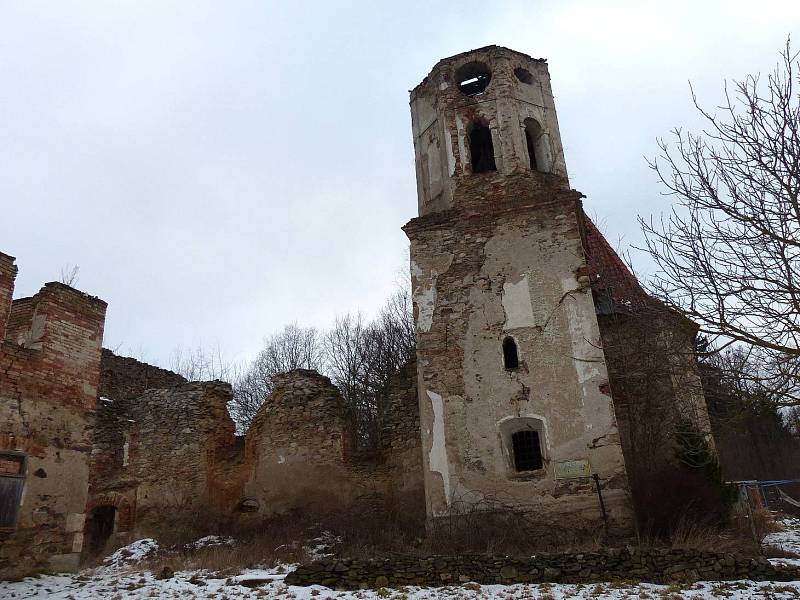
{"x":528,"y":475}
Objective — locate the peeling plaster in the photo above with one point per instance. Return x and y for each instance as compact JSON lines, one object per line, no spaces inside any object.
{"x":426,"y":303}
{"x":437,"y":457}
{"x":517,"y":304}
{"x":586,"y":366}
{"x":451,"y":159}
{"x":425,"y":290}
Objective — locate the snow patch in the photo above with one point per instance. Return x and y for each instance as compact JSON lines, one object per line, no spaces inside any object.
{"x":133,"y":552}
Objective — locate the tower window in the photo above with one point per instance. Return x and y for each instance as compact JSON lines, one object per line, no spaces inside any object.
{"x":534,"y":140}
{"x":523,"y":75}
{"x":527,"y":451}
{"x":473,"y":78}
{"x":510,"y":354}
{"x":481,"y":148}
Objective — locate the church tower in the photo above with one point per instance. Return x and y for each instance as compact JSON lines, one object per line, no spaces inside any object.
{"x":513,"y":388}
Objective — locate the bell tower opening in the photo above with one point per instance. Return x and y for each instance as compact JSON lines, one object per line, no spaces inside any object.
{"x":534,"y":140}
{"x":481,"y":148}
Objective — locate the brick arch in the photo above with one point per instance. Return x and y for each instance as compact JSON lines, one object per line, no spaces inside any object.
{"x":118,"y":501}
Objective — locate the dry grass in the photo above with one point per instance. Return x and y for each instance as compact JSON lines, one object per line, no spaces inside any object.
{"x":398,"y":529}
{"x":689,"y":535}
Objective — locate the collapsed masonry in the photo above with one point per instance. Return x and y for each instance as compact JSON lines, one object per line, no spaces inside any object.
{"x":528,"y":324}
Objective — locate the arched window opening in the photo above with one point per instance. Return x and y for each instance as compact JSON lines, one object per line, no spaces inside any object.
{"x":473,"y":78}
{"x":527,"y":451}
{"x":535,"y":143}
{"x":510,"y":354}
{"x":481,"y":149}
{"x":523,"y":75}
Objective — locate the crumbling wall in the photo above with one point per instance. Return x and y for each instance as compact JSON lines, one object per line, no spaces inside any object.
{"x":298,"y":447}
{"x":49,"y":370}
{"x":401,"y":442}
{"x":165,"y":452}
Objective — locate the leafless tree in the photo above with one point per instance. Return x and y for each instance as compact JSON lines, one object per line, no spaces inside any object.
{"x":363,"y":358}
{"x":294,"y":347}
{"x":69,"y":275}
{"x":728,"y":255}
{"x":201,"y":364}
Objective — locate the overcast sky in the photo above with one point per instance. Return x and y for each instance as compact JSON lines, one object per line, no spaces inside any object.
{"x":219,"y":169}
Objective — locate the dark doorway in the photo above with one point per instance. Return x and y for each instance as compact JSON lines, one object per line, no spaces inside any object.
{"x":100,"y":527}
{"x":527,"y":452}
{"x":481,"y":149}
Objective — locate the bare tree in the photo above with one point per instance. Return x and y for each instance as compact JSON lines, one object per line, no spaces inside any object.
{"x":728,"y":255}
{"x":201,"y":364}
{"x":294,"y":347}
{"x":363,"y":358}
{"x":69,"y":275}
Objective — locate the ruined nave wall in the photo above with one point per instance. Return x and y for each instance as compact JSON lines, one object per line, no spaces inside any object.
{"x":49,"y":370}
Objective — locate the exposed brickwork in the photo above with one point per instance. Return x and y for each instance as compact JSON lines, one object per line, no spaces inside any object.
{"x":8,"y":273}
{"x":164,"y":445}
{"x":48,"y":389}
{"x":608,"y":272}
{"x":124,"y":378}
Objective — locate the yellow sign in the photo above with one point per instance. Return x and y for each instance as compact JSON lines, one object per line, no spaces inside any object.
{"x":573,"y":469}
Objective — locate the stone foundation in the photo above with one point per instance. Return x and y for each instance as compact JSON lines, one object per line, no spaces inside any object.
{"x":654,"y":566}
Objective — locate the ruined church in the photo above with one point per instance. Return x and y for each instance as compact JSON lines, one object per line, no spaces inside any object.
{"x":522,"y":394}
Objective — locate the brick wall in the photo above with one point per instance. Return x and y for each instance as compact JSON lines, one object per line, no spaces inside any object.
{"x":48,"y":389}
{"x":164,"y":449}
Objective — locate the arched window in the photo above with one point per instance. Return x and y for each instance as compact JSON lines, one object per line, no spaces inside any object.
{"x":527,"y":451}
{"x":481,"y":149}
{"x":534,"y":140}
{"x":510,"y":354}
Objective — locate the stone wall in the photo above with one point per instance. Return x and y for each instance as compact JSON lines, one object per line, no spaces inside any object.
{"x":49,"y":371}
{"x":654,"y":566}
{"x":401,"y":442}
{"x":164,"y":451}
{"x":298,"y":447}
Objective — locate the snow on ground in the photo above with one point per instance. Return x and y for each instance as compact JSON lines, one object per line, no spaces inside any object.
{"x":266,"y":583}
{"x":788,"y":539}
{"x":134,"y":552}
{"x":118,"y":579}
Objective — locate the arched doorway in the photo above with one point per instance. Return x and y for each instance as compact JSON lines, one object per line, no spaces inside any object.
{"x":100,"y":527}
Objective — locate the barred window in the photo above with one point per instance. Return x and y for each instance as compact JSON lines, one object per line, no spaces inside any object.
{"x":527,"y":451}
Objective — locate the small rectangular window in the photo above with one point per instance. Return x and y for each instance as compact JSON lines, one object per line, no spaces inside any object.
{"x":12,"y":480}
{"x":527,"y":452}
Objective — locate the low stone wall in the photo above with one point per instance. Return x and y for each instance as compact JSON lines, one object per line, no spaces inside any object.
{"x":655,"y":566}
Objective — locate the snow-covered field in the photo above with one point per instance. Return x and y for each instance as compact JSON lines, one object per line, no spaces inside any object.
{"x":119,"y":579}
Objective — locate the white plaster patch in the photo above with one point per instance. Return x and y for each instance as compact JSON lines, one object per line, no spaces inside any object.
{"x":425,"y":298}
{"x":426,"y":302}
{"x":281,"y":459}
{"x":451,"y":159}
{"x":437,"y":458}
{"x":517,"y":304}
{"x":587,"y":365}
